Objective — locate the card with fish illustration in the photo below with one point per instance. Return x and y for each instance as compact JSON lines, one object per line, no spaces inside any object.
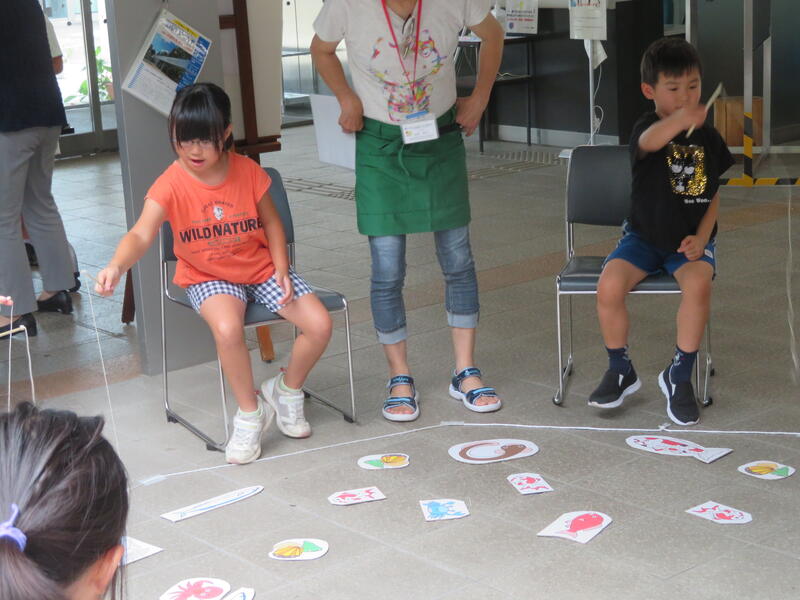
{"x":489,"y":451}
{"x":719,"y":513}
{"x":442,"y":509}
{"x":529,"y":483}
{"x":393,"y":460}
{"x":137,"y":550}
{"x":767,"y":469}
{"x":348,"y":497}
{"x":676,"y":447}
{"x":299,"y":549}
{"x":242,"y":594}
{"x":197,"y":587}
{"x":212,"y":503}
{"x":579,"y":526}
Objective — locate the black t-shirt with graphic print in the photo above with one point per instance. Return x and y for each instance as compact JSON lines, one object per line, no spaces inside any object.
{"x":673,"y":187}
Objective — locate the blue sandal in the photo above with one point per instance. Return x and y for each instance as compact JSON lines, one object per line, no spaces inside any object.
{"x":410,"y":402}
{"x":471,"y":396}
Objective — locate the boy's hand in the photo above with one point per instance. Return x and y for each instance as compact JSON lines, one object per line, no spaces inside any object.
{"x":107,"y":280}
{"x":692,"y":116}
{"x":6,"y":300}
{"x":351,"y":119}
{"x":285,"y":283}
{"x":692,"y":247}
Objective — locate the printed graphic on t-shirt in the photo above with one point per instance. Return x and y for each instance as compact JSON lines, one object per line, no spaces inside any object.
{"x":401,"y":99}
{"x":687,"y":169}
{"x":217,"y":235}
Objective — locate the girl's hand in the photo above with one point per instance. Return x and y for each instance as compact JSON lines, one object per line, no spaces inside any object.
{"x":107,"y":280}
{"x":351,"y":118}
{"x":6,"y":300}
{"x":285,"y":283}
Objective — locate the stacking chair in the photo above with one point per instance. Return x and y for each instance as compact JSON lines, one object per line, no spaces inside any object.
{"x":255,"y":316}
{"x":599,"y":193}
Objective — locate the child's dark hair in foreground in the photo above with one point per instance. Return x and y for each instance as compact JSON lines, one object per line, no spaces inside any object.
{"x":63,"y":506}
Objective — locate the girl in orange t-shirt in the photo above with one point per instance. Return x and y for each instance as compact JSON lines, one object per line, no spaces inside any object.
{"x":231,"y":249}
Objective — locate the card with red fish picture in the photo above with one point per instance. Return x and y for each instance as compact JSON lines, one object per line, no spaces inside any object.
{"x":390,"y":460}
{"x":359,"y":496}
{"x":719,"y":513}
{"x":670,"y":446}
{"x":207,"y":588}
{"x":767,"y":469}
{"x":579,"y":526}
{"x":529,"y":483}
{"x":490,"y":451}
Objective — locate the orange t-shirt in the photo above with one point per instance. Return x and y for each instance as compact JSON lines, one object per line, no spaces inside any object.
{"x":216,"y":228}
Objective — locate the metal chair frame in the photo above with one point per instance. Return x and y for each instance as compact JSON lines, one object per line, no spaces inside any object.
{"x":612,"y":212}
{"x":166,"y":256}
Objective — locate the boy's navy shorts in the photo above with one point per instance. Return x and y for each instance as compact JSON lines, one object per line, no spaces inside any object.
{"x":634,"y":249}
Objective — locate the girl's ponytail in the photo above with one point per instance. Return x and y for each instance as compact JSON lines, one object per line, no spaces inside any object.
{"x":23,"y":579}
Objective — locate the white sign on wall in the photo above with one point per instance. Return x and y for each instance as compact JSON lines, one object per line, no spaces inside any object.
{"x":522,"y":16}
{"x":587,"y":19}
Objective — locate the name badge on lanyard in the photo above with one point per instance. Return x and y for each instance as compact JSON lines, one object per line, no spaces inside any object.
{"x":420,"y":126}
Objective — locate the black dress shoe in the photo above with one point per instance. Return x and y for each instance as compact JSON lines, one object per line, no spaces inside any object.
{"x":27,"y":319}
{"x":61,"y":302}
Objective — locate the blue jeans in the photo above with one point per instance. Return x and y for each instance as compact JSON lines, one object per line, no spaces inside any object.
{"x":389,"y":271}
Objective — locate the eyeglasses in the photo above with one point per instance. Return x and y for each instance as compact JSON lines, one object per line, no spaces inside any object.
{"x":204,"y":144}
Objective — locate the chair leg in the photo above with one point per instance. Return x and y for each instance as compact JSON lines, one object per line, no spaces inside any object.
{"x":350,"y":418}
{"x":564,"y":371}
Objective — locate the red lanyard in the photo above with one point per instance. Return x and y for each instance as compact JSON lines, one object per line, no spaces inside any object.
{"x":397,"y":46}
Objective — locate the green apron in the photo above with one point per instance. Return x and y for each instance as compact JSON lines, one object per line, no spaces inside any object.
{"x":410,"y":188}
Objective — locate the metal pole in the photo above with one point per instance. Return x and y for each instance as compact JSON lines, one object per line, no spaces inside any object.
{"x":591,"y":93}
{"x":691,"y":22}
{"x":747,"y":141}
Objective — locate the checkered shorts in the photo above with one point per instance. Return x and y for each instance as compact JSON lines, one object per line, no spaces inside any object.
{"x":267,"y":293}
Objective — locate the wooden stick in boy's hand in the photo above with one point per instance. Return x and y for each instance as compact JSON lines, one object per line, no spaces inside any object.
{"x":708,"y":104}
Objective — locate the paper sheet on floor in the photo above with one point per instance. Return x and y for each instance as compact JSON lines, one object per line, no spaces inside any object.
{"x":137,"y":550}
{"x":299,"y":549}
{"x":392,"y":460}
{"x":211,"y":504}
{"x":529,"y":483}
{"x":358,"y":496}
{"x":767,"y":469}
{"x":207,"y":588}
{"x":670,"y":446}
{"x":489,"y":451}
{"x":442,"y":509}
{"x":719,"y":513}
{"x":579,"y":526}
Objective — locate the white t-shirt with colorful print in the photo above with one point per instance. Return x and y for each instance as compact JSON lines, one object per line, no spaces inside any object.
{"x":378,"y":77}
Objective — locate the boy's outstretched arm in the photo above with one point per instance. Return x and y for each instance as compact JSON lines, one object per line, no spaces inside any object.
{"x":273,"y":228}
{"x":693,"y":246}
{"x":131,"y":248}
{"x":662,"y":131}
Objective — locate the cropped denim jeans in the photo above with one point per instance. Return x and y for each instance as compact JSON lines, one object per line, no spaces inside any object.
{"x":388,"y":275}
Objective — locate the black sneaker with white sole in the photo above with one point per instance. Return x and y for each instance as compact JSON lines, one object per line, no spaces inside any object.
{"x":613,"y":388}
{"x":681,"y":402}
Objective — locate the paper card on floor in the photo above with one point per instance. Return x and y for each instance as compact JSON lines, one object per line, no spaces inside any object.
{"x":242,"y":594}
{"x":206,"y":505}
{"x":207,"y":588}
{"x":676,"y":447}
{"x":442,"y":509}
{"x":137,"y":550}
{"x":394,"y":460}
{"x":299,"y":549}
{"x":347,"y":497}
{"x":529,"y":483}
{"x":489,"y":451}
{"x":719,"y":513}
{"x":767,"y":469}
{"x":578,"y":526}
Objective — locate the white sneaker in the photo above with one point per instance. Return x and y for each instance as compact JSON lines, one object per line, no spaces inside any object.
{"x":288,"y":407}
{"x":244,"y":446}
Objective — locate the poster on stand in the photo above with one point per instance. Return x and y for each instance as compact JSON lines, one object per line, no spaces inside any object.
{"x":522,"y":16}
{"x":171,"y":58}
{"x":587,"y":19}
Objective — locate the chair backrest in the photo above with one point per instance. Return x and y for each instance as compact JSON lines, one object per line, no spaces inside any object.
{"x":599,"y":185}
{"x":279,"y":199}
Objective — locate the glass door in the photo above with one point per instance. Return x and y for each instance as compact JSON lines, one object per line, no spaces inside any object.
{"x":86,"y":80}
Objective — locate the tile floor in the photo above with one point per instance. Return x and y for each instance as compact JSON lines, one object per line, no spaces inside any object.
{"x":652,"y":550}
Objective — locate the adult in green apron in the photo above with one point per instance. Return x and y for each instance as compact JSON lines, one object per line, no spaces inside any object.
{"x":411,"y":172}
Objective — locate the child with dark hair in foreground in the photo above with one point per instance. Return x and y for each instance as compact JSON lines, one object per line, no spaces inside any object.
{"x":671,"y":227}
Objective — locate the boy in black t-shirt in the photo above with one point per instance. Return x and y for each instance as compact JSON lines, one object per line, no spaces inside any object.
{"x":671,"y":226}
